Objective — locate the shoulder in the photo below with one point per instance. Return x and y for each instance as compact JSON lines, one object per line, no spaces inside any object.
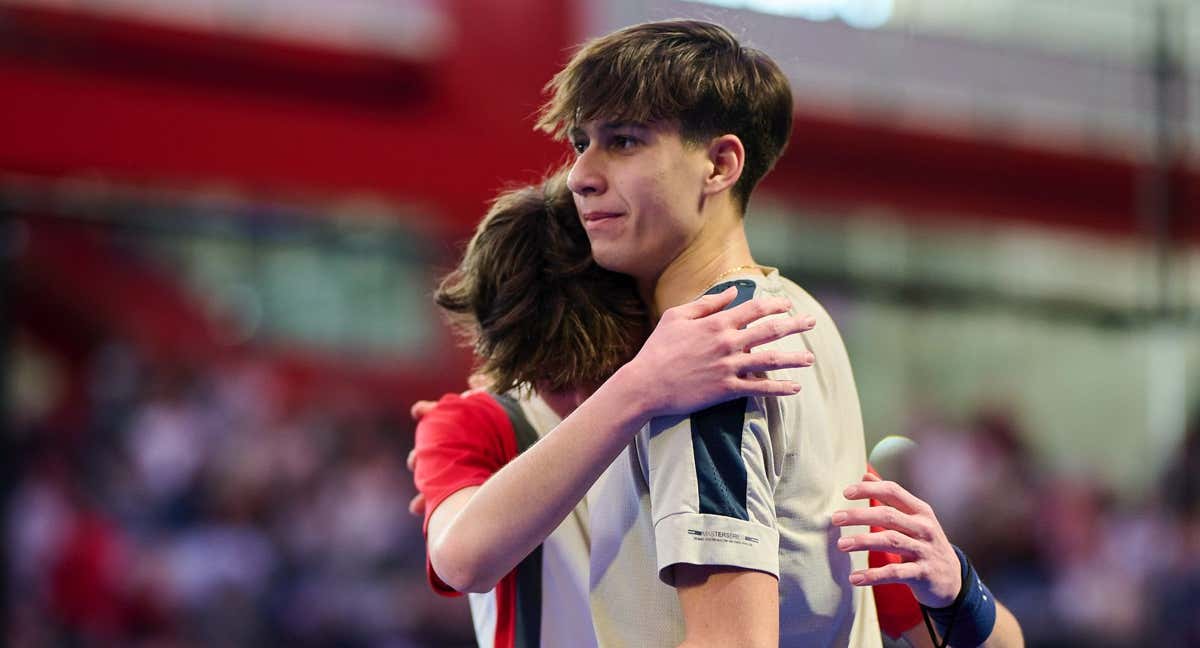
{"x":801,"y":299}
{"x":463,"y":435}
{"x":463,"y":413}
{"x":825,"y":336}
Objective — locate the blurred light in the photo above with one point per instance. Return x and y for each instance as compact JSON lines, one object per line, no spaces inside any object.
{"x":418,"y":29}
{"x":860,"y":14}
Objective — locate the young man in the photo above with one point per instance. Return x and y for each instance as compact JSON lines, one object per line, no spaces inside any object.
{"x":716,"y":527}
{"x":712,"y":527}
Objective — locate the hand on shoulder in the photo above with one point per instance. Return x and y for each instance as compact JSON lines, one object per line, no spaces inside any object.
{"x":700,"y":355}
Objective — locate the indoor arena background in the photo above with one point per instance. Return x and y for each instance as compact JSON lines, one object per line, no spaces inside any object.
{"x":222,"y":220}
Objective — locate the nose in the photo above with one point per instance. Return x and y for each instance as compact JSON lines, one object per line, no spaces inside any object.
{"x":586,"y":177}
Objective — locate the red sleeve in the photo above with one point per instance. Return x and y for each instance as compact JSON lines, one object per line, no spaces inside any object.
{"x":895,"y":604}
{"x":459,"y":443}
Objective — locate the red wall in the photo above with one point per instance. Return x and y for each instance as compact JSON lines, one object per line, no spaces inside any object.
{"x":151,"y":104}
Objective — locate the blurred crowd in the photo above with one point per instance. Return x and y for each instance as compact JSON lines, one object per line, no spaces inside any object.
{"x":1078,"y":564}
{"x":197,"y":506}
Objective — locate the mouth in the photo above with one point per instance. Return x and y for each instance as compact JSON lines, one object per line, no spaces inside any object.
{"x":596,"y":216}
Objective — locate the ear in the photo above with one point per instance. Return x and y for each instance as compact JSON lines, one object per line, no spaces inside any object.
{"x":726,"y":157}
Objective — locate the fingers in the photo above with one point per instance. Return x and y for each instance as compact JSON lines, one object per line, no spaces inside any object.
{"x":889,"y":493}
{"x":885,"y":517}
{"x":753,"y":310}
{"x":905,"y":572}
{"x":411,"y":461}
{"x":416,"y":505}
{"x":420,"y":408}
{"x":774,"y":329}
{"x":751,"y":366}
{"x":706,"y":305}
{"x":872,"y":477}
{"x":753,"y":386}
{"x":764,"y":361}
{"x":887,"y":541}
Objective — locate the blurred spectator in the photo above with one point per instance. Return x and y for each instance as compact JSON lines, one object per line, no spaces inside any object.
{"x":1175,"y":604}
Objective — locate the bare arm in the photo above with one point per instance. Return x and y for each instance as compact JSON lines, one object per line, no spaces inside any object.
{"x":694,"y":358}
{"x":725,"y":606}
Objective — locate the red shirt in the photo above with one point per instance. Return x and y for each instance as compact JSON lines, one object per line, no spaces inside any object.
{"x":461,"y":443}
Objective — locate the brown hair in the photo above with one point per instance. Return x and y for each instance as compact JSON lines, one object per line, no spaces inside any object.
{"x":530,"y":299}
{"x":692,"y":72}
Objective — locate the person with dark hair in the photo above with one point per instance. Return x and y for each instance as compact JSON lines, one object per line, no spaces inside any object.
{"x":718,"y":521}
{"x":722,"y":526}
{"x":547,"y":326}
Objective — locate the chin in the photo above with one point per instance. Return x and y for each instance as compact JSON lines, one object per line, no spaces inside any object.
{"x":615,"y":261}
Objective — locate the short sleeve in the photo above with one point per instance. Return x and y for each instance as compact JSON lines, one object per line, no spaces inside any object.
{"x":712,"y":482}
{"x":460,"y":443}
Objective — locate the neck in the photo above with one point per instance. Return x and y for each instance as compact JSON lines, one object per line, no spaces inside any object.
{"x":563,"y":401}
{"x":697,"y":268}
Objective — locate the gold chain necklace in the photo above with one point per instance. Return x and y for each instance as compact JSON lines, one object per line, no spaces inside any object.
{"x":730,"y":271}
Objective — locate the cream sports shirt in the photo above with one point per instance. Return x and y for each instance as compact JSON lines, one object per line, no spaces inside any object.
{"x":750,"y":483}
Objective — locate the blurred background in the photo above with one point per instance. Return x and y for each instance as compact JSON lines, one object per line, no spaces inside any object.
{"x":221,"y":222}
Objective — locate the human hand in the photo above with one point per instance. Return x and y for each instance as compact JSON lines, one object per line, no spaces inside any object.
{"x":700,"y":355}
{"x":911,"y":530}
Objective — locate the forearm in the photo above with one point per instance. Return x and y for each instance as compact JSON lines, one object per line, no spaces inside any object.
{"x":519,"y":506}
{"x":1007,"y":633}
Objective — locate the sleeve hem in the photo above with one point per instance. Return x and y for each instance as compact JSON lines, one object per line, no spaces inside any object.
{"x":702,"y":539}
{"x":436,"y":584}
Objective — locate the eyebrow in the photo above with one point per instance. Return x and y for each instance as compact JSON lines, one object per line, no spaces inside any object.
{"x":577,"y":132}
{"x":615,"y":125}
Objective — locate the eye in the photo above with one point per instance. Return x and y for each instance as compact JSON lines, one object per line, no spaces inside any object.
{"x":624,"y":142}
{"x":579,"y":145}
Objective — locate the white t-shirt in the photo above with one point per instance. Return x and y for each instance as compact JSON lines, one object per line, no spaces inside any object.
{"x":749,"y":483}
